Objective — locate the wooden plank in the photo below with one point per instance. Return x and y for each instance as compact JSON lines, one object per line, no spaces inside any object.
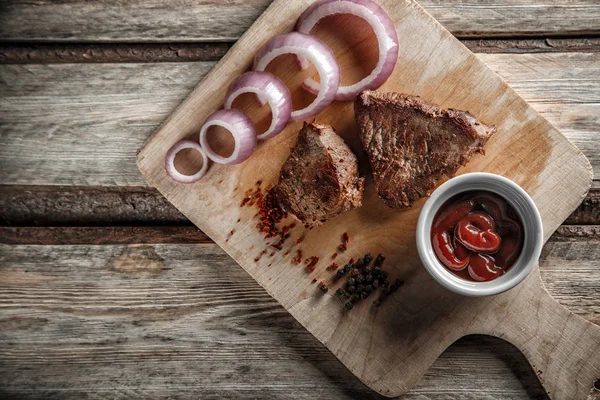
{"x":108,"y":235}
{"x":51,"y":53}
{"x":215,"y":20}
{"x":149,"y":320}
{"x":529,"y":150}
{"x":52,"y":115}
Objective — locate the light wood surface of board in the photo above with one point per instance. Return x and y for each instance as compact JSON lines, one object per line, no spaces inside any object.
{"x":390,"y":349}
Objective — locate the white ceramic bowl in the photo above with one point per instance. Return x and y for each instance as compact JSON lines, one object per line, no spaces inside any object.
{"x":523,"y":205}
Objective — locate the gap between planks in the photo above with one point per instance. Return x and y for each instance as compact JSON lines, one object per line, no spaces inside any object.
{"x":22,"y":205}
{"x":52,"y":53}
{"x":130,"y":235}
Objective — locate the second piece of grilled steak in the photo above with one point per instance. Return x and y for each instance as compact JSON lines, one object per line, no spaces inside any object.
{"x":412,"y":143}
{"x":320,"y":179}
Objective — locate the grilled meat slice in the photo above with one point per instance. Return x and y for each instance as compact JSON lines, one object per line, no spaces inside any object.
{"x":320,"y":179}
{"x":412,"y":143}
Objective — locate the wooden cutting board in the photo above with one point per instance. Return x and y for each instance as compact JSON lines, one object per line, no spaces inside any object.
{"x":391,"y":347}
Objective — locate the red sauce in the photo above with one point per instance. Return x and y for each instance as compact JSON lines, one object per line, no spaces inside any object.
{"x":477,"y":235}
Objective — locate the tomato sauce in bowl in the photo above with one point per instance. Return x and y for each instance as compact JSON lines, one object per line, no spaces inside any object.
{"x":477,"y":235}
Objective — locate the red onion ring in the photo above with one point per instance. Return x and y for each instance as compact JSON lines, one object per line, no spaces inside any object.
{"x":170,"y":162}
{"x":380,"y":22}
{"x":316,"y":52}
{"x":240,"y":127}
{"x":269,"y":89}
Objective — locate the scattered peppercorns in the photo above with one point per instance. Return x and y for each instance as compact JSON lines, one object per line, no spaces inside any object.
{"x":379,"y":260}
{"x":323,"y":287}
{"x":365,"y":279}
{"x":347,"y":268}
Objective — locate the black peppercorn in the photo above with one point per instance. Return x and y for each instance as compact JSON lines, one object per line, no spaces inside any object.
{"x":393,"y":288}
{"x":360,"y":263}
{"x":369,"y":278}
{"x":364,"y":295}
{"x":355,"y":296}
{"x":351,"y":289}
{"x":340,"y":292}
{"x":368,"y":270}
{"x":324,"y":288}
{"x":347,"y":268}
{"x":360,"y":278}
{"x":383,"y":275}
{"x":354,"y":272}
{"x":349,"y":305}
{"x":377,"y":303}
{"x":351,"y":281}
{"x":375,"y":283}
{"x":340,"y":273}
{"x":369,"y":288}
{"x":379,"y":260}
{"x":360,"y":288}
{"x":376,"y":271}
{"x":385,"y":282}
{"x":368,"y":258}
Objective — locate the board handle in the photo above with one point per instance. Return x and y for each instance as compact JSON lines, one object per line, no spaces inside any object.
{"x":562,"y":348}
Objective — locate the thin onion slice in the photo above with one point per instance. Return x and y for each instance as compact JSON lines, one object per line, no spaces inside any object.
{"x":380,"y":22}
{"x":314,"y":51}
{"x":170,"y":162}
{"x":240,"y":127}
{"x":269,"y":89}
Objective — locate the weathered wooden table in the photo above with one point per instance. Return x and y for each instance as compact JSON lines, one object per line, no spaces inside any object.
{"x":106,"y":291}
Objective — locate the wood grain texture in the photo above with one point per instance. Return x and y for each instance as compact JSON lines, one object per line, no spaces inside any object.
{"x":377,"y":346}
{"x":155,"y":321}
{"x":215,"y":20}
{"x":52,"y":115}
